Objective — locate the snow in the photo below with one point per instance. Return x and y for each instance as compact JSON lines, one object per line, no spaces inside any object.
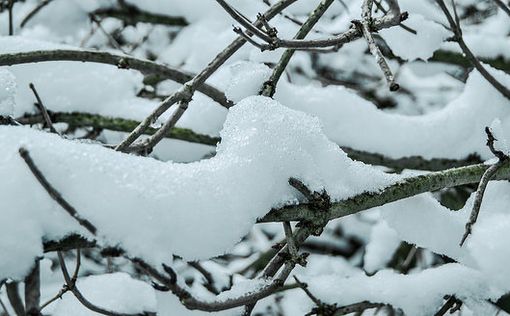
{"x":419,"y":294}
{"x":206,"y":206}
{"x":161,"y":204}
{"x":117,"y":292}
{"x":383,"y":244}
{"x":352,"y":121}
{"x":428,"y":38}
{"x":423,"y":221}
{"x":7,"y":90}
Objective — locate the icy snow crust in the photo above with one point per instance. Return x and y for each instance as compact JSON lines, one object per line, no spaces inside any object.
{"x":139,"y":201}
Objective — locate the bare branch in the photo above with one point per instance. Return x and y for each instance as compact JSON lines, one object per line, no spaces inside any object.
{"x":366,"y":28}
{"x":54,"y":194}
{"x":269,"y":87}
{"x":15,"y":298}
{"x":33,"y":290}
{"x":121,"y":61}
{"x":34,"y":11}
{"x":503,"y":6}
{"x":403,"y":189}
{"x":132,"y":15}
{"x":487,"y":176}
{"x":451,"y":305}
{"x":40,"y":106}
{"x":71,"y":285}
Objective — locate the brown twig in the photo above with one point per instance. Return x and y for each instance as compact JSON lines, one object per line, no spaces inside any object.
{"x":15,"y":298}
{"x":40,"y":106}
{"x":10,"y":5}
{"x":503,"y":6}
{"x":71,"y":285}
{"x":54,"y":194}
{"x":33,"y":290}
{"x":118,"y":60}
{"x":34,"y":11}
{"x":451,"y":305}
{"x":487,"y":176}
{"x":366,"y":27}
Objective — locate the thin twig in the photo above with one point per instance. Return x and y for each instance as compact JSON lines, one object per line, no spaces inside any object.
{"x":503,"y":6}
{"x":110,"y":38}
{"x":487,"y":176}
{"x":293,"y":250}
{"x":15,"y":298}
{"x":54,"y":194}
{"x":6,"y":312}
{"x":40,"y":106}
{"x":332,"y":43}
{"x":366,"y":28}
{"x":34,"y":11}
{"x":269,"y":87}
{"x":209,"y":280}
{"x":33,"y":290}
{"x":71,"y":284}
{"x":305,"y":289}
{"x":10,"y":6}
{"x":451,"y":305}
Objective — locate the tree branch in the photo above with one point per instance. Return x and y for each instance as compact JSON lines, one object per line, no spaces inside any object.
{"x":54,"y":194}
{"x":269,"y":87}
{"x":484,"y":181}
{"x":366,"y":28}
{"x":81,"y":120}
{"x":121,"y":61}
{"x":403,"y":189}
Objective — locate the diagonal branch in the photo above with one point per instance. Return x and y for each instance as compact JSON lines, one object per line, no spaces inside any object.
{"x":54,"y":194}
{"x":487,"y":176}
{"x":366,"y":28}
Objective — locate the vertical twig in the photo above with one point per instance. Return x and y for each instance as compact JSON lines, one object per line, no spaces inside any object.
{"x":10,"y":6}
{"x":40,"y":106}
{"x":269,"y":87}
{"x":33,"y":290}
{"x":487,"y":176}
{"x":15,"y":298}
{"x":366,"y":28}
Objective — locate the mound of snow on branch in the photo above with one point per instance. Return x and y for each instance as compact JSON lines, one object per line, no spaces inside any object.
{"x":155,"y":209}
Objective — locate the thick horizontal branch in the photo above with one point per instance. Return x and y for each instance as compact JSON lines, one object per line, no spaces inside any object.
{"x":80,"y":120}
{"x":403,"y":189}
{"x":121,"y":61}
